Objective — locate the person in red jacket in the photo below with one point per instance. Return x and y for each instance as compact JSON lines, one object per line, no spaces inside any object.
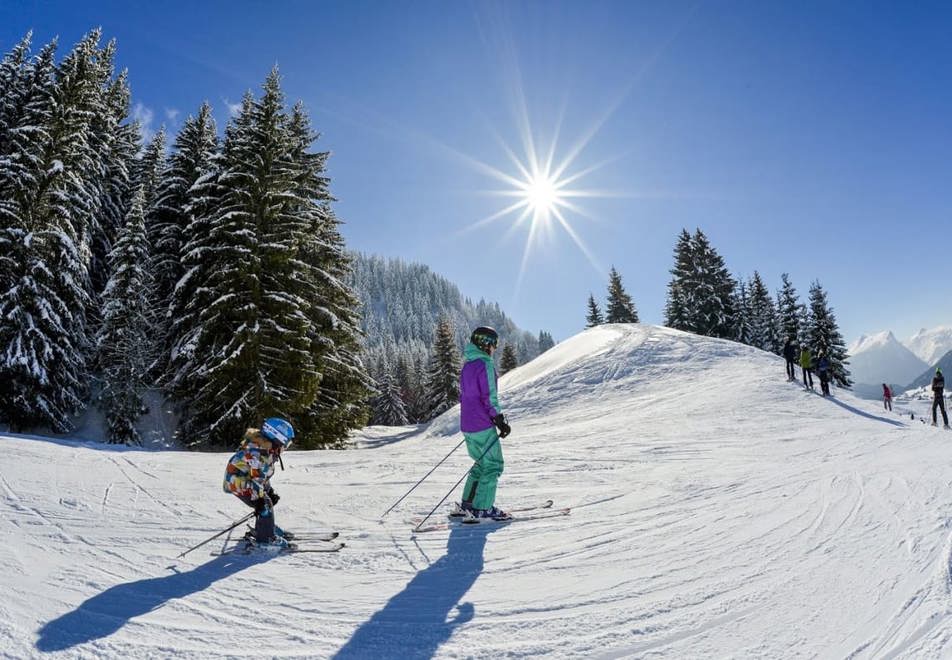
{"x":887,"y":397}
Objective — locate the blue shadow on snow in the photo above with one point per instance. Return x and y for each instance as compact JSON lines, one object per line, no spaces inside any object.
{"x":105,"y":613}
{"x":863,"y":413}
{"x":413,"y":624}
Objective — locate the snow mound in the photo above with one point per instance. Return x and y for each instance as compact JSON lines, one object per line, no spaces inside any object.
{"x":717,"y":511}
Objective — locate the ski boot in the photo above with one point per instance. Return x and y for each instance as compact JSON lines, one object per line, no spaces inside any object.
{"x":492,"y":513}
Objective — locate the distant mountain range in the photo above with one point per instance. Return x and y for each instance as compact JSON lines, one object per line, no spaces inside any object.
{"x":881,"y":358}
{"x":931,"y":345}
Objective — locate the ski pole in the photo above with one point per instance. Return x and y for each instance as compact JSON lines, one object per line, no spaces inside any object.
{"x":486,"y":451}
{"x":246,"y":518}
{"x":424,"y":477}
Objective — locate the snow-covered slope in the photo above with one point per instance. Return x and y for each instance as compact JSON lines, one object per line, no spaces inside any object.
{"x":718,"y":511}
{"x":930,"y":345}
{"x":880,"y":358}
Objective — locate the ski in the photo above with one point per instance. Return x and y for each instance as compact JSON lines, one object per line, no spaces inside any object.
{"x":294,"y":548}
{"x":455,"y":523}
{"x":459,"y":513}
{"x":301,"y":536}
{"x":246,"y":548}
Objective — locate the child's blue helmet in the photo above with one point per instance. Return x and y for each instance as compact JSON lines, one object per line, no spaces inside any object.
{"x":278,"y":430}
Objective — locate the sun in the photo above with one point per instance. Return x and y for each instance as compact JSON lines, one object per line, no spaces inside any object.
{"x":542,"y":194}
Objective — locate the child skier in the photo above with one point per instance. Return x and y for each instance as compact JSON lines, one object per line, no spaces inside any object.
{"x":887,"y":397}
{"x":806,"y":363}
{"x":248,"y":475}
{"x":482,"y":423}
{"x":938,"y":398}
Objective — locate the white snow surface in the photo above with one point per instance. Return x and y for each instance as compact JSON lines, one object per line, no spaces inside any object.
{"x":881,"y":358}
{"x":931,"y":345}
{"x":717,"y":511}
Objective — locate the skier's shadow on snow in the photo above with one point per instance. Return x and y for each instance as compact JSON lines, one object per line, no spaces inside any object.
{"x":105,"y":613}
{"x":416,"y":622}
{"x":863,"y":413}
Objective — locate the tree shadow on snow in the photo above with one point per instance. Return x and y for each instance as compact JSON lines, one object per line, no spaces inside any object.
{"x":105,"y":613}
{"x":863,"y":413}
{"x":416,"y":622}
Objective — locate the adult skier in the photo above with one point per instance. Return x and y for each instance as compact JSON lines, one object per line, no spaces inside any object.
{"x":823,"y":369}
{"x":938,"y":398}
{"x":248,"y":475}
{"x":806,"y":363}
{"x":790,"y":355}
{"x":482,"y":423}
{"x":887,"y":397}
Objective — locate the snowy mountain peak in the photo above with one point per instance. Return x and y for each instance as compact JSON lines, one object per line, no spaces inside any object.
{"x":931,"y":344}
{"x":867,"y":342}
{"x":881,"y":358}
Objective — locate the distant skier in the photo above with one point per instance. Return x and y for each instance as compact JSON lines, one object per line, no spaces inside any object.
{"x":806,"y":363}
{"x":938,"y":400}
{"x":248,"y":475}
{"x":887,"y":397}
{"x":823,"y":370}
{"x":790,"y":355}
{"x":482,"y":423}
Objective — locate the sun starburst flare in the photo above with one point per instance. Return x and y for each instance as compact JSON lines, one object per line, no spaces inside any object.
{"x":543,"y":193}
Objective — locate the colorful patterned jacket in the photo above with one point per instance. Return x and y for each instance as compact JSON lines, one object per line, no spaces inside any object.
{"x":251,"y":467}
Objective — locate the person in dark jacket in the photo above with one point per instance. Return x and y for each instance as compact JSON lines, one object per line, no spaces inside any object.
{"x":790,"y":355}
{"x":823,"y":369}
{"x":938,"y":398}
{"x":887,"y":397}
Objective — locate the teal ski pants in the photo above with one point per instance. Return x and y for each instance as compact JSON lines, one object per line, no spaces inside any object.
{"x":480,"y":488}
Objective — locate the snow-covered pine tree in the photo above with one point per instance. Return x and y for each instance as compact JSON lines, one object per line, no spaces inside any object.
{"x":594,"y":316}
{"x":254,"y":347}
{"x":677,"y":314}
{"x":388,"y":407}
{"x":117,"y":142}
{"x":195,"y":147}
{"x":762,"y":317}
{"x":46,"y":236}
{"x":345,"y":386}
{"x":742,"y":312}
{"x":508,"y":361}
{"x":147,"y":172}
{"x":545,"y":341}
{"x":190,"y":294}
{"x":620,"y":307}
{"x":825,"y":336}
{"x":442,"y":378}
{"x":124,"y":342}
{"x":789,"y":311}
{"x":16,"y":69}
{"x":408,"y":373}
{"x":709,"y":292}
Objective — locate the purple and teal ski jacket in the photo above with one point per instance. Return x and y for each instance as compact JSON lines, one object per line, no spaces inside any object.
{"x":478,"y":403}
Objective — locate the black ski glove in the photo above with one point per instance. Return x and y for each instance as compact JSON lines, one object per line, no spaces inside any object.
{"x":500,"y":422}
{"x":274,"y":496}
{"x":260,"y":504}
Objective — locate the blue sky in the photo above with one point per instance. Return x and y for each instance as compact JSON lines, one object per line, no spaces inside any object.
{"x":802,"y":137}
